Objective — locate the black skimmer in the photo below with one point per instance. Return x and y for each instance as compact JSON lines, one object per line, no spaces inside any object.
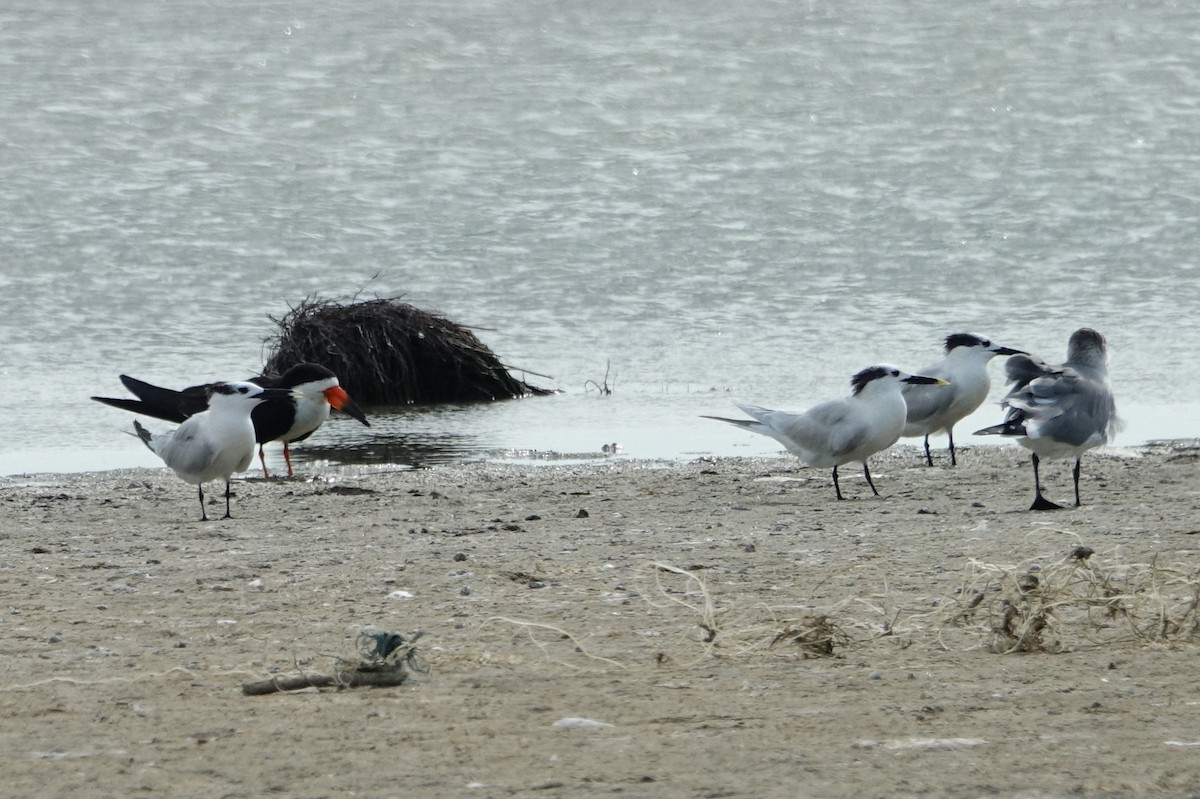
{"x":1059,"y":411}
{"x":839,"y":431}
{"x":314,"y":390}
{"x":216,"y":442}
{"x":935,"y":410}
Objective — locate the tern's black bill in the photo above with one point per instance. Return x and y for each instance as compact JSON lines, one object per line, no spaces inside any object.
{"x":276,"y":394}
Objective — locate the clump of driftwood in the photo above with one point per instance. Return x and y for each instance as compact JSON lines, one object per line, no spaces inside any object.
{"x":386,"y":352}
{"x":385,"y":659}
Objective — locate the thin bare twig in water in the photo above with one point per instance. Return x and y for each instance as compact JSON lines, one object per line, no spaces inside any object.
{"x":604,"y":389}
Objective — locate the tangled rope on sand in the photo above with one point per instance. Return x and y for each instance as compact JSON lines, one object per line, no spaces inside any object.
{"x":385,"y":659}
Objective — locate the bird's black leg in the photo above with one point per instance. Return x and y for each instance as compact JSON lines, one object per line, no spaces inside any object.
{"x":928,"y":457}
{"x":227,"y":515}
{"x":836,"y":488}
{"x":203,"y":515}
{"x":953,"y":459}
{"x":1076,"y":472}
{"x":1040,"y":502}
{"x":867,"y":472}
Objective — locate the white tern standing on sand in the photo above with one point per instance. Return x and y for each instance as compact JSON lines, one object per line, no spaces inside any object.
{"x":295,"y":417}
{"x":839,"y":431}
{"x":1059,"y":411}
{"x":214,"y":443}
{"x":933,"y":409}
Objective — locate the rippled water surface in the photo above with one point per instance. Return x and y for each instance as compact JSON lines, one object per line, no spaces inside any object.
{"x":712,"y":200}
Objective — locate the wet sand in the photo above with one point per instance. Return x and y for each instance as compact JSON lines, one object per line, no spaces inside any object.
{"x":720,"y":628}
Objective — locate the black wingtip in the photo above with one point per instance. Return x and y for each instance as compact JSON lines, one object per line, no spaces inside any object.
{"x":131,"y":405}
{"x":1011,"y":427}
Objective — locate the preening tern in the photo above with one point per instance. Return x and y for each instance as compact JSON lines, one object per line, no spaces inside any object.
{"x":1059,"y":411}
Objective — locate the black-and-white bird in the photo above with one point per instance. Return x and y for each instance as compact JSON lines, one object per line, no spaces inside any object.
{"x":314,"y":390}
{"x":1059,"y":411}
{"x":933,"y":409}
{"x":217,"y":442}
{"x":853,"y":428}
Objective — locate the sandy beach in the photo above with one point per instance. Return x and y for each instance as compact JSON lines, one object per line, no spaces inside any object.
{"x":718,"y":628}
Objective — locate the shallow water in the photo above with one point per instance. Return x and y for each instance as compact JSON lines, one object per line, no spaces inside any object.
{"x":714,"y":203}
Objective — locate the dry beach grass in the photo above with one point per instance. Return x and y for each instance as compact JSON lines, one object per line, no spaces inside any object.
{"x":718,"y":628}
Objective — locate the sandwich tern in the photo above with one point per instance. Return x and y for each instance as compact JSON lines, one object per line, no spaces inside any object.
{"x":216,"y":442}
{"x":852,"y":428}
{"x":289,"y":418}
{"x":933,"y":409}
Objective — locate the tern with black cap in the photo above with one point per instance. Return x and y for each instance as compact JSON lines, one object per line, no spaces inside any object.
{"x":314,"y":389}
{"x":849,"y":429}
{"x":935,"y":410}
{"x":215,"y":443}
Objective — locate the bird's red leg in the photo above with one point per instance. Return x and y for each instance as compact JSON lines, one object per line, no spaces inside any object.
{"x":263,"y":458}
{"x":287,"y":456}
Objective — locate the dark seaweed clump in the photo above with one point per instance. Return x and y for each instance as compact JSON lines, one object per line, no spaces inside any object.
{"x":387,"y":352}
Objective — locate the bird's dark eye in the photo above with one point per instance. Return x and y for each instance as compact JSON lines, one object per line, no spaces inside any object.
{"x":242,"y":389}
{"x":987,"y":343}
{"x":895,"y":373}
